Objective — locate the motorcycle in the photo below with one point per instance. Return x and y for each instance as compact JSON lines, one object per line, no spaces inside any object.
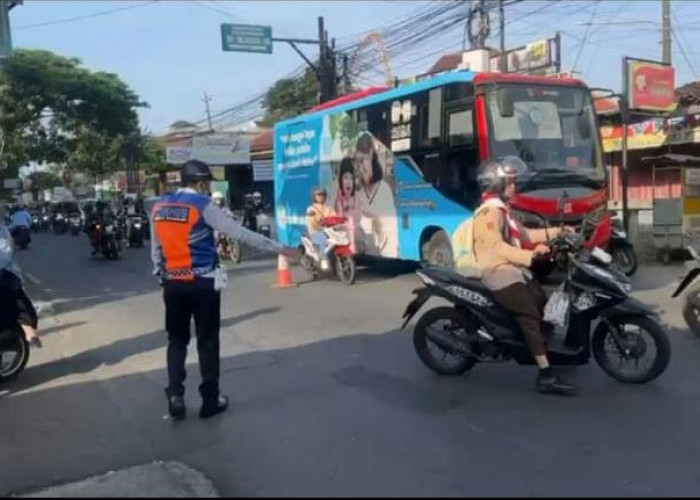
{"x":60,"y":225}
{"x":135,"y":231}
{"x":622,"y":251}
{"x":36,"y":223}
{"x":110,"y":243}
{"x":22,"y":237}
{"x":45,"y":222}
{"x":263,"y":222}
{"x":228,"y":248}
{"x":14,"y":352}
{"x":690,"y":284}
{"x":343,"y":262}
{"x":476,"y":329}
{"x":75,"y":224}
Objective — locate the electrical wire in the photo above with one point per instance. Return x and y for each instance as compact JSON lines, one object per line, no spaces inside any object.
{"x":86,"y":16}
{"x":582,"y":44}
{"x":685,"y":55}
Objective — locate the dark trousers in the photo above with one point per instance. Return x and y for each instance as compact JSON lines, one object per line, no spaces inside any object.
{"x":183,"y":301}
{"x":15,"y":306}
{"x":526,"y":302}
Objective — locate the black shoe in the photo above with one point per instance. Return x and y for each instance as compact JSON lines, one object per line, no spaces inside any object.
{"x":211,"y":409}
{"x":176,"y":406}
{"x":549,"y":383}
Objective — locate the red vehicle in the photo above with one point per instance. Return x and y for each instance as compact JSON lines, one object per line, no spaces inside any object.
{"x":337,"y":245}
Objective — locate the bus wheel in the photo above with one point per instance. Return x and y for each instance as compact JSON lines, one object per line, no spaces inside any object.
{"x":437,"y":251}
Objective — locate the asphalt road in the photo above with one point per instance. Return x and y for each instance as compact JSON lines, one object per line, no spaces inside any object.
{"x":328,"y":397}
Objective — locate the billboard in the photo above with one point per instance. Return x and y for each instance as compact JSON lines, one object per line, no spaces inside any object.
{"x":650,"y":86}
{"x":213,"y":149}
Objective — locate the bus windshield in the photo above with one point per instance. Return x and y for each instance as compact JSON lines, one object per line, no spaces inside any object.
{"x":551,"y":128}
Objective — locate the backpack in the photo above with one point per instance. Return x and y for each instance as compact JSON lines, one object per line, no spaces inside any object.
{"x":463,"y":246}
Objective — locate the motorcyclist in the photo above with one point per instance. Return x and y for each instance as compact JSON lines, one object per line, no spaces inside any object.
{"x":317,"y":211}
{"x":15,"y":306}
{"x":101,"y":215}
{"x":20,"y":218}
{"x":504,"y":264}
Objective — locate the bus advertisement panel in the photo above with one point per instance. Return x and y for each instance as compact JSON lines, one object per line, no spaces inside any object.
{"x":401,"y":165}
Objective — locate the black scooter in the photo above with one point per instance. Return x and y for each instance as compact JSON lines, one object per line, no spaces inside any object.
{"x":21,"y":236}
{"x":622,"y":251}
{"x":476,"y":329}
{"x":689,"y":286}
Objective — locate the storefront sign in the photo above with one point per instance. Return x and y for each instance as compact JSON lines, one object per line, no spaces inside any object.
{"x":213,"y":149}
{"x":650,"y":86}
{"x":652,"y":134}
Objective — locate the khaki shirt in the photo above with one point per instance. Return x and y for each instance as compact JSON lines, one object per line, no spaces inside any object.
{"x":315,"y":214}
{"x":501,"y":262}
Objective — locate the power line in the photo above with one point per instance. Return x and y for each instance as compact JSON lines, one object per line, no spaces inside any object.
{"x":683,"y":39}
{"x":585,"y":37}
{"x":86,"y":16}
{"x":685,"y":56}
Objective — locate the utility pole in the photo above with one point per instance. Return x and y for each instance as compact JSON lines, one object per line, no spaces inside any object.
{"x":206,"y":101}
{"x":502,"y":21}
{"x":5,"y":35}
{"x":666,"y":30}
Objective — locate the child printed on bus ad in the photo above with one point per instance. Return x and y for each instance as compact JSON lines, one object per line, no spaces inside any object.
{"x":350,"y":206}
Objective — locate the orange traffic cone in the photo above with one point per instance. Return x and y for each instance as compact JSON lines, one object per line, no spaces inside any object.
{"x":284,"y":275}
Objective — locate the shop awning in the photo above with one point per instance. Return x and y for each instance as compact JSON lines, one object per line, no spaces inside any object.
{"x":672,"y":159}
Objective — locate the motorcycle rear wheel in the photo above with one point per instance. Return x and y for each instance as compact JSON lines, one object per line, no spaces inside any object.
{"x":625,"y":259}
{"x":691,"y":308}
{"x":346,"y":269}
{"x":636,"y":344}
{"x":17,"y":344}
{"x":422,"y":342}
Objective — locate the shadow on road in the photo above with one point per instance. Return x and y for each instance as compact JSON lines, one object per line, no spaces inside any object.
{"x":360,"y":415}
{"x":111,"y":354}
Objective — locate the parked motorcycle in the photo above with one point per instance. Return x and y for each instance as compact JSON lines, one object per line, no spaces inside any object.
{"x":452,"y":340}
{"x":689,"y":286}
{"x":342,"y":262}
{"x":622,"y":251}
{"x":22,"y":237}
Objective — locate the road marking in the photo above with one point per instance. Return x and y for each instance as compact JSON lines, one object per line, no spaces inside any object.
{"x":33,"y":279}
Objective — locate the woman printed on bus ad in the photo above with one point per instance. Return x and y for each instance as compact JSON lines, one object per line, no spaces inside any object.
{"x":349,"y":205}
{"x":376,"y":194}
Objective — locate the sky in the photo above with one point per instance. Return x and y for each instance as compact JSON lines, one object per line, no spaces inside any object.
{"x":169,"y":51}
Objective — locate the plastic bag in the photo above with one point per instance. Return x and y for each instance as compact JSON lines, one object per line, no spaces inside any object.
{"x":556,"y":311}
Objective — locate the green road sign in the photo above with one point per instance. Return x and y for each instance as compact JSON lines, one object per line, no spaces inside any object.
{"x":246,"y":38}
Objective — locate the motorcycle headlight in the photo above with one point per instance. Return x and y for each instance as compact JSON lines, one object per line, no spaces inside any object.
{"x":137,"y":225}
{"x":585,"y":301}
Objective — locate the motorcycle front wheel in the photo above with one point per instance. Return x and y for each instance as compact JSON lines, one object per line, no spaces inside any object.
{"x":641,"y":342}
{"x":435,"y":337}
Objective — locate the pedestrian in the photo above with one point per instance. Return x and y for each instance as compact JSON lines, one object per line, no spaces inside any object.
{"x":185,"y":258}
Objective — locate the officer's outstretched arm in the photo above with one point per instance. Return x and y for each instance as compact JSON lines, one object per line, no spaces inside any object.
{"x":217,"y":219}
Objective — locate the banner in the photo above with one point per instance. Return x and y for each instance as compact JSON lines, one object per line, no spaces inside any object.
{"x":213,"y":149}
{"x":652,"y":133}
{"x":650,"y":86}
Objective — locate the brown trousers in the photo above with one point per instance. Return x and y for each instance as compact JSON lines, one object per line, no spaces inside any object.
{"x":526,"y":301}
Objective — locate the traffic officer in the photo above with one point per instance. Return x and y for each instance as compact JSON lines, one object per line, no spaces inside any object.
{"x":185,"y":259}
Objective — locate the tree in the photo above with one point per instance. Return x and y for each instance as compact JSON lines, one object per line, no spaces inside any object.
{"x":290,"y":97}
{"x":42,"y":180}
{"x":49,"y":104}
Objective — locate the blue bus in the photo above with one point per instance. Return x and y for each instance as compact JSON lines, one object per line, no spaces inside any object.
{"x":400,"y":163}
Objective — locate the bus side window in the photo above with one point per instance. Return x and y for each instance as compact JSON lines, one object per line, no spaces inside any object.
{"x":460,"y":128}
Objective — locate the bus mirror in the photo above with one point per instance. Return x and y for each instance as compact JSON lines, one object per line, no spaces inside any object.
{"x":505,"y":103}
